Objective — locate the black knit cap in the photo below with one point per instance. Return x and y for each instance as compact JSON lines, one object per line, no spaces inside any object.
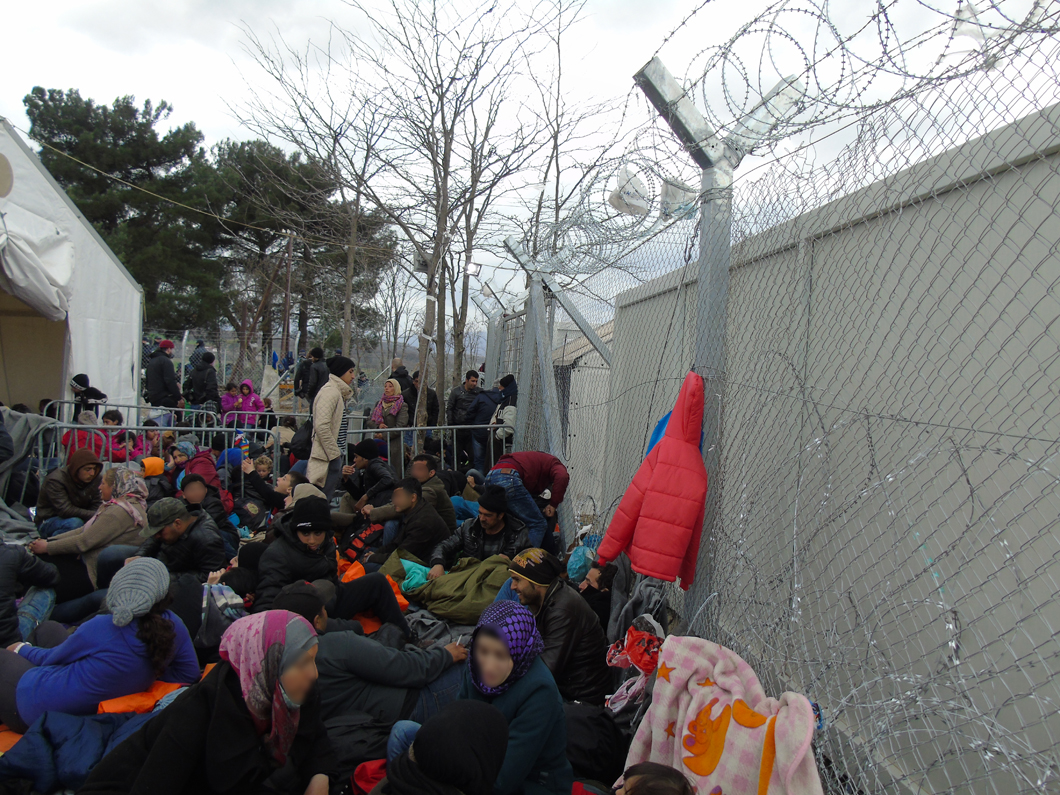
{"x":494,"y":499}
{"x":340,"y":365}
{"x":300,"y":598}
{"x":311,"y":515}
{"x":367,"y":448}
{"x":508,"y":380}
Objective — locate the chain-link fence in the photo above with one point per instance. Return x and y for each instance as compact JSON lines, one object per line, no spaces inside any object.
{"x":881,"y":429}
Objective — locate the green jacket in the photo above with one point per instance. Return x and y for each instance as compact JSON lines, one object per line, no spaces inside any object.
{"x":536,"y":760}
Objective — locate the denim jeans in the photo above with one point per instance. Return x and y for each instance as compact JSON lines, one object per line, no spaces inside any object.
{"x":401,"y":738}
{"x":77,"y":609}
{"x":110,"y":560}
{"x":506,"y":594}
{"x":390,"y":531}
{"x":465,"y":509}
{"x":520,"y":503}
{"x":481,"y":448}
{"x":439,"y":693}
{"x":334,"y":477}
{"x":55,"y":525}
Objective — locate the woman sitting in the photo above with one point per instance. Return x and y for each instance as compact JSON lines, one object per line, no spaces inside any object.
{"x":251,"y":725}
{"x":461,"y":749}
{"x":505,"y":670}
{"x":117,"y":521}
{"x":107,"y":657}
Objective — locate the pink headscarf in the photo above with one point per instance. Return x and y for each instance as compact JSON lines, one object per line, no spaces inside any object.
{"x":130,"y":494}
{"x":260,"y":648}
{"x":391,"y":405}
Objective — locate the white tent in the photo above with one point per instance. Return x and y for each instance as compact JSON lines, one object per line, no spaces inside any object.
{"x":67,"y":304}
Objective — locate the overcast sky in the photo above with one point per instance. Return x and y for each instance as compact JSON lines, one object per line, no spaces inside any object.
{"x":189,"y":52}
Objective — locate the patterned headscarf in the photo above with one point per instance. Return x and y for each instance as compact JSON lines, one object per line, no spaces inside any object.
{"x":187,"y":448}
{"x":515,"y":626}
{"x":391,"y":405}
{"x":260,"y":648}
{"x":130,"y":494}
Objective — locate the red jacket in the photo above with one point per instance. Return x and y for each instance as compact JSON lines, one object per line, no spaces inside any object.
{"x":539,"y":471}
{"x":203,"y":463}
{"x":660,"y":519}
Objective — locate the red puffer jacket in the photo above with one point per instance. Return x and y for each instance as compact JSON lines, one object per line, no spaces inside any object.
{"x":660,"y":519}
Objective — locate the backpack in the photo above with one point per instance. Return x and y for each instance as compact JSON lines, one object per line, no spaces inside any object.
{"x":301,"y":446}
{"x":357,"y":544}
{"x":596,"y":745}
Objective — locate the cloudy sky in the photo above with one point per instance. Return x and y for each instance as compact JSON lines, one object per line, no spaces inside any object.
{"x":189,"y":52}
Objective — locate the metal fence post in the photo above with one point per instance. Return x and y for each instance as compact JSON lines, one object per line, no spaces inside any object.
{"x":525,"y":376}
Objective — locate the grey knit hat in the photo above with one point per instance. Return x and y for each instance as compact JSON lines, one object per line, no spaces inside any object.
{"x":136,"y":588}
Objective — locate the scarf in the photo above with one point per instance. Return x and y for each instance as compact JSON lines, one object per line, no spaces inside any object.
{"x":515,"y":626}
{"x":260,"y":648}
{"x":391,"y":405}
{"x":130,"y":494}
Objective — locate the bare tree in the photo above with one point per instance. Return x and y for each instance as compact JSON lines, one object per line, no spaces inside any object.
{"x":439,"y":78}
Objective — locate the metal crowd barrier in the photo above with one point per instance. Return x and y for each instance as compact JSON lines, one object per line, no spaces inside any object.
{"x":50,"y":448}
{"x":408,"y":441}
{"x":66,"y":411}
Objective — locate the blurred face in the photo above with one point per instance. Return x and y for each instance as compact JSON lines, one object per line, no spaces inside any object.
{"x":471,"y":383}
{"x":388,"y":389}
{"x":491,"y":522}
{"x":403,"y":500}
{"x":529,"y":594}
{"x":298,"y":680}
{"x":592,"y":580}
{"x":262,"y":470}
{"x":195,"y":493}
{"x":245,"y":389}
{"x":493,"y":660}
{"x":87,"y":473}
{"x":314,"y":539}
{"x":106,"y":490}
{"x":419,"y":470}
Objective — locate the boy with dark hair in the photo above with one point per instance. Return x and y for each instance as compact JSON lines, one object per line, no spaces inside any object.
{"x":421,"y":528}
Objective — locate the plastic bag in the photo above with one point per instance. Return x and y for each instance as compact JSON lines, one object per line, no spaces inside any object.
{"x":631,"y":195}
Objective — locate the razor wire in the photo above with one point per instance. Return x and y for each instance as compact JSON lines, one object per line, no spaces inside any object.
{"x":887,"y":503}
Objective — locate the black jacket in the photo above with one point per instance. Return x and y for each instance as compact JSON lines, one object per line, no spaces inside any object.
{"x":377,"y":481}
{"x":204,"y":385}
{"x":273,"y":499}
{"x":205,"y":741}
{"x":433,"y":408}
{"x":471,"y":541}
{"x":460,"y":401}
{"x":288,"y":560}
{"x":318,"y":376}
{"x":159,"y":486}
{"x":401,"y":375}
{"x":422,"y":529}
{"x":215,"y":518}
{"x":575,"y":645}
{"x":19,"y":569}
{"x":199,"y":551}
{"x":301,"y":377}
{"x":162,"y":386}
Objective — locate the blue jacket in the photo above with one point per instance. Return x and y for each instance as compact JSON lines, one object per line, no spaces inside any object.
{"x":99,"y":661}
{"x":480,"y":412}
{"x":536,"y":760}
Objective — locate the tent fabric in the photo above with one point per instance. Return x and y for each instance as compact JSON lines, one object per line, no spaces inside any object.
{"x":63,"y":274}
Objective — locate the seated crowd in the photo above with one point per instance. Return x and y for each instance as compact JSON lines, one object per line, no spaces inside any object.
{"x":162,"y":553}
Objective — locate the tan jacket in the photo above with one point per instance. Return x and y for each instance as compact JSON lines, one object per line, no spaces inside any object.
{"x":329,"y":410}
{"x":112,"y":526}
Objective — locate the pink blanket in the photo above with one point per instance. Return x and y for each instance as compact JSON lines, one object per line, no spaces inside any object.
{"x":711,"y":719}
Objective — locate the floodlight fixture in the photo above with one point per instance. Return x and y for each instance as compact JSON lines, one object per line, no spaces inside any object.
{"x":674,"y":105}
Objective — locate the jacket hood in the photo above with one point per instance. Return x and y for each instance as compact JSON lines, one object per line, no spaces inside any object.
{"x":401,"y":372}
{"x":247,"y":383}
{"x":153,"y":466}
{"x":509,"y":391}
{"x":201,"y":366}
{"x":82,"y":458}
{"x":686,"y":420}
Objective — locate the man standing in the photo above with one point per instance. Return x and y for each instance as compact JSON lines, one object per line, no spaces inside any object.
{"x":197,"y":354}
{"x":493,"y":532}
{"x":318,"y":373}
{"x":575,"y":646}
{"x":460,"y":400}
{"x":162,"y":387}
{"x":204,"y":383}
{"x":523,"y":476}
{"x":329,"y":418}
{"x":411,"y":395}
{"x":400,"y":373}
{"x":301,"y":375}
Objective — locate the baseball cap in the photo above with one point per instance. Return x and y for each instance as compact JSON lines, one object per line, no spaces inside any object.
{"x":162,"y":513}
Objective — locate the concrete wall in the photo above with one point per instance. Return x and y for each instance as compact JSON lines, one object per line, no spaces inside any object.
{"x":888,"y":542}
